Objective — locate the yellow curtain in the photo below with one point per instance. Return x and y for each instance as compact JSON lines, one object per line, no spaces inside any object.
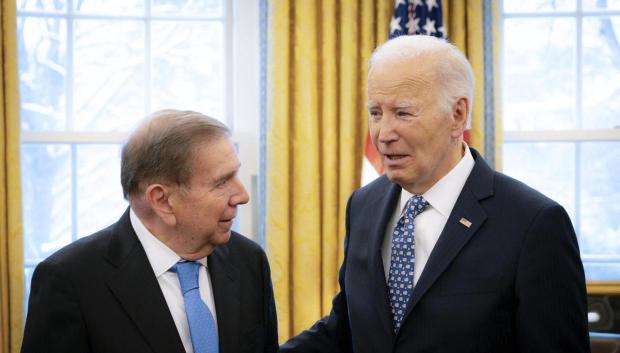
{"x":11,"y":253}
{"x":464,"y":21}
{"x":318,"y":54}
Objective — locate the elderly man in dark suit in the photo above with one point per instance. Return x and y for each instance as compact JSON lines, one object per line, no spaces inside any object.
{"x":170,"y":276}
{"x":443,"y":254}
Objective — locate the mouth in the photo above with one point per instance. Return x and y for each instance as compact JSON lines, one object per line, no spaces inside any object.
{"x":395,"y":157}
{"x":227,"y":221}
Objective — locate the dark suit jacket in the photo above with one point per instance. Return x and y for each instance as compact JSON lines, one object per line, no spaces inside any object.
{"x":513,"y":281}
{"x":99,"y":294}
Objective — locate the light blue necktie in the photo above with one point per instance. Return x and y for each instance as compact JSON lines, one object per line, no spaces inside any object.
{"x":201,"y":323}
{"x":400,"y":281}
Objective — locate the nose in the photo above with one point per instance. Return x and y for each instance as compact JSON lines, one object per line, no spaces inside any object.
{"x":385,"y":130}
{"x":240,"y":196}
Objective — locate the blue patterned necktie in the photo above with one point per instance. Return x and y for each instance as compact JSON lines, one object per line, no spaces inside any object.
{"x":400,"y":281}
{"x":201,"y":323}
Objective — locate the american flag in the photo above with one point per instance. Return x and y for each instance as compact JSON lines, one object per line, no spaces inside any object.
{"x":410,"y":17}
{"x":417,"y":17}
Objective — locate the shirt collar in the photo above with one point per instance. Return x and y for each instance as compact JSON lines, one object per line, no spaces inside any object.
{"x":161,"y":257}
{"x":442,"y":196}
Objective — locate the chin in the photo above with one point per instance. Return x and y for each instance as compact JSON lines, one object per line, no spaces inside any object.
{"x":402,"y":178}
{"x":395,"y":176}
{"x":221,"y":238}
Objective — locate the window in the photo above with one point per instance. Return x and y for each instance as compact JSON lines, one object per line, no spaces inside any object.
{"x":561,"y":114}
{"x":90,"y":70}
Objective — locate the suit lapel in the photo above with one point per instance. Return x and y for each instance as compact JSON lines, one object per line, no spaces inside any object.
{"x":226,"y":292}
{"x":386,"y":204}
{"x":456,"y":234}
{"x":136,"y":288}
{"x":452,"y":239}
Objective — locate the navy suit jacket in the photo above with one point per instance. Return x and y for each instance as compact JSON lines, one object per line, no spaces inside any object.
{"x":99,"y":294}
{"x":512,"y":281}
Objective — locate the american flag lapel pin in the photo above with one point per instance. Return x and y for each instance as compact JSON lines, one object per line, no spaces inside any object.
{"x":464,"y":221}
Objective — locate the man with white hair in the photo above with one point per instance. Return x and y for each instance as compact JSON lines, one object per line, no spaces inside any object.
{"x":443,"y":254}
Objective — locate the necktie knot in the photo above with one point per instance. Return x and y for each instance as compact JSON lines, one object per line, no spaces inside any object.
{"x":414,"y":206}
{"x":188,"y":274}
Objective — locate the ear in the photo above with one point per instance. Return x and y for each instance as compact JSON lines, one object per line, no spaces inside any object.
{"x":459,"y":116}
{"x":158,"y":197}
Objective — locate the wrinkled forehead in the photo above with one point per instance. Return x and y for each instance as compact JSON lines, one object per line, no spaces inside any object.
{"x":421,"y":65}
{"x":396,"y":76}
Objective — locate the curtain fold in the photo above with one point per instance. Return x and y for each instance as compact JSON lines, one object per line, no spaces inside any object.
{"x":465,"y":23}
{"x":318,"y":54}
{"x":11,"y":250}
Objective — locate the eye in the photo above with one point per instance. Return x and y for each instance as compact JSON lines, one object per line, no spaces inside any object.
{"x":374,"y":114}
{"x":221,"y":183}
{"x":407,"y":114}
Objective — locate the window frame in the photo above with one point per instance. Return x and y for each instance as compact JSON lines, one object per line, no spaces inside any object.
{"x":578,"y":135}
{"x":241,"y":107}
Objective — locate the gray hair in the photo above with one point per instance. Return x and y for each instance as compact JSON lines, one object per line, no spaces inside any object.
{"x":162,"y":148}
{"x":453,"y":70}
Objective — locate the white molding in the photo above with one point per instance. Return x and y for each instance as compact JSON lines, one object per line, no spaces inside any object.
{"x":73,"y":137}
{"x":91,"y":16}
{"x":562,"y":135}
{"x":245,"y":103}
{"x":86,"y":137}
{"x":548,"y":14}
{"x":600,"y":258}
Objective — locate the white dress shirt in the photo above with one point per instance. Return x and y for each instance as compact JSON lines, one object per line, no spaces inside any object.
{"x":429,"y":224}
{"x":162,"y":258}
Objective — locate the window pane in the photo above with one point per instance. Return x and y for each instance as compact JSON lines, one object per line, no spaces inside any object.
{"x":42,"y":72}
{"x":120,"y":7}
{"x":28,"y":272}
{"x":188,"y":67}
{"x":601,"y":5}
{"x":538,"y":5}
{"x":548,"y":167}
{"x":601,"y":72}
{"x":46,"y":188}
{"x":596,"y":271}
{"x":539,"y":74}
{"x":600,"y":199}
{"x":41,"y":5}
{"x":109,"y":74}
{"x":100,"y":197}
{"x":188,"y":7}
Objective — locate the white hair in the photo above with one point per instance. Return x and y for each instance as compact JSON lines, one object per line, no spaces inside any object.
{"x":454,"y":71}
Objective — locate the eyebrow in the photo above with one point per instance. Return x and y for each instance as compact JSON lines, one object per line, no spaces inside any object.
{"x":372,"y":105}
{"x":403,"y":105}
{"x":228,"y":175}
